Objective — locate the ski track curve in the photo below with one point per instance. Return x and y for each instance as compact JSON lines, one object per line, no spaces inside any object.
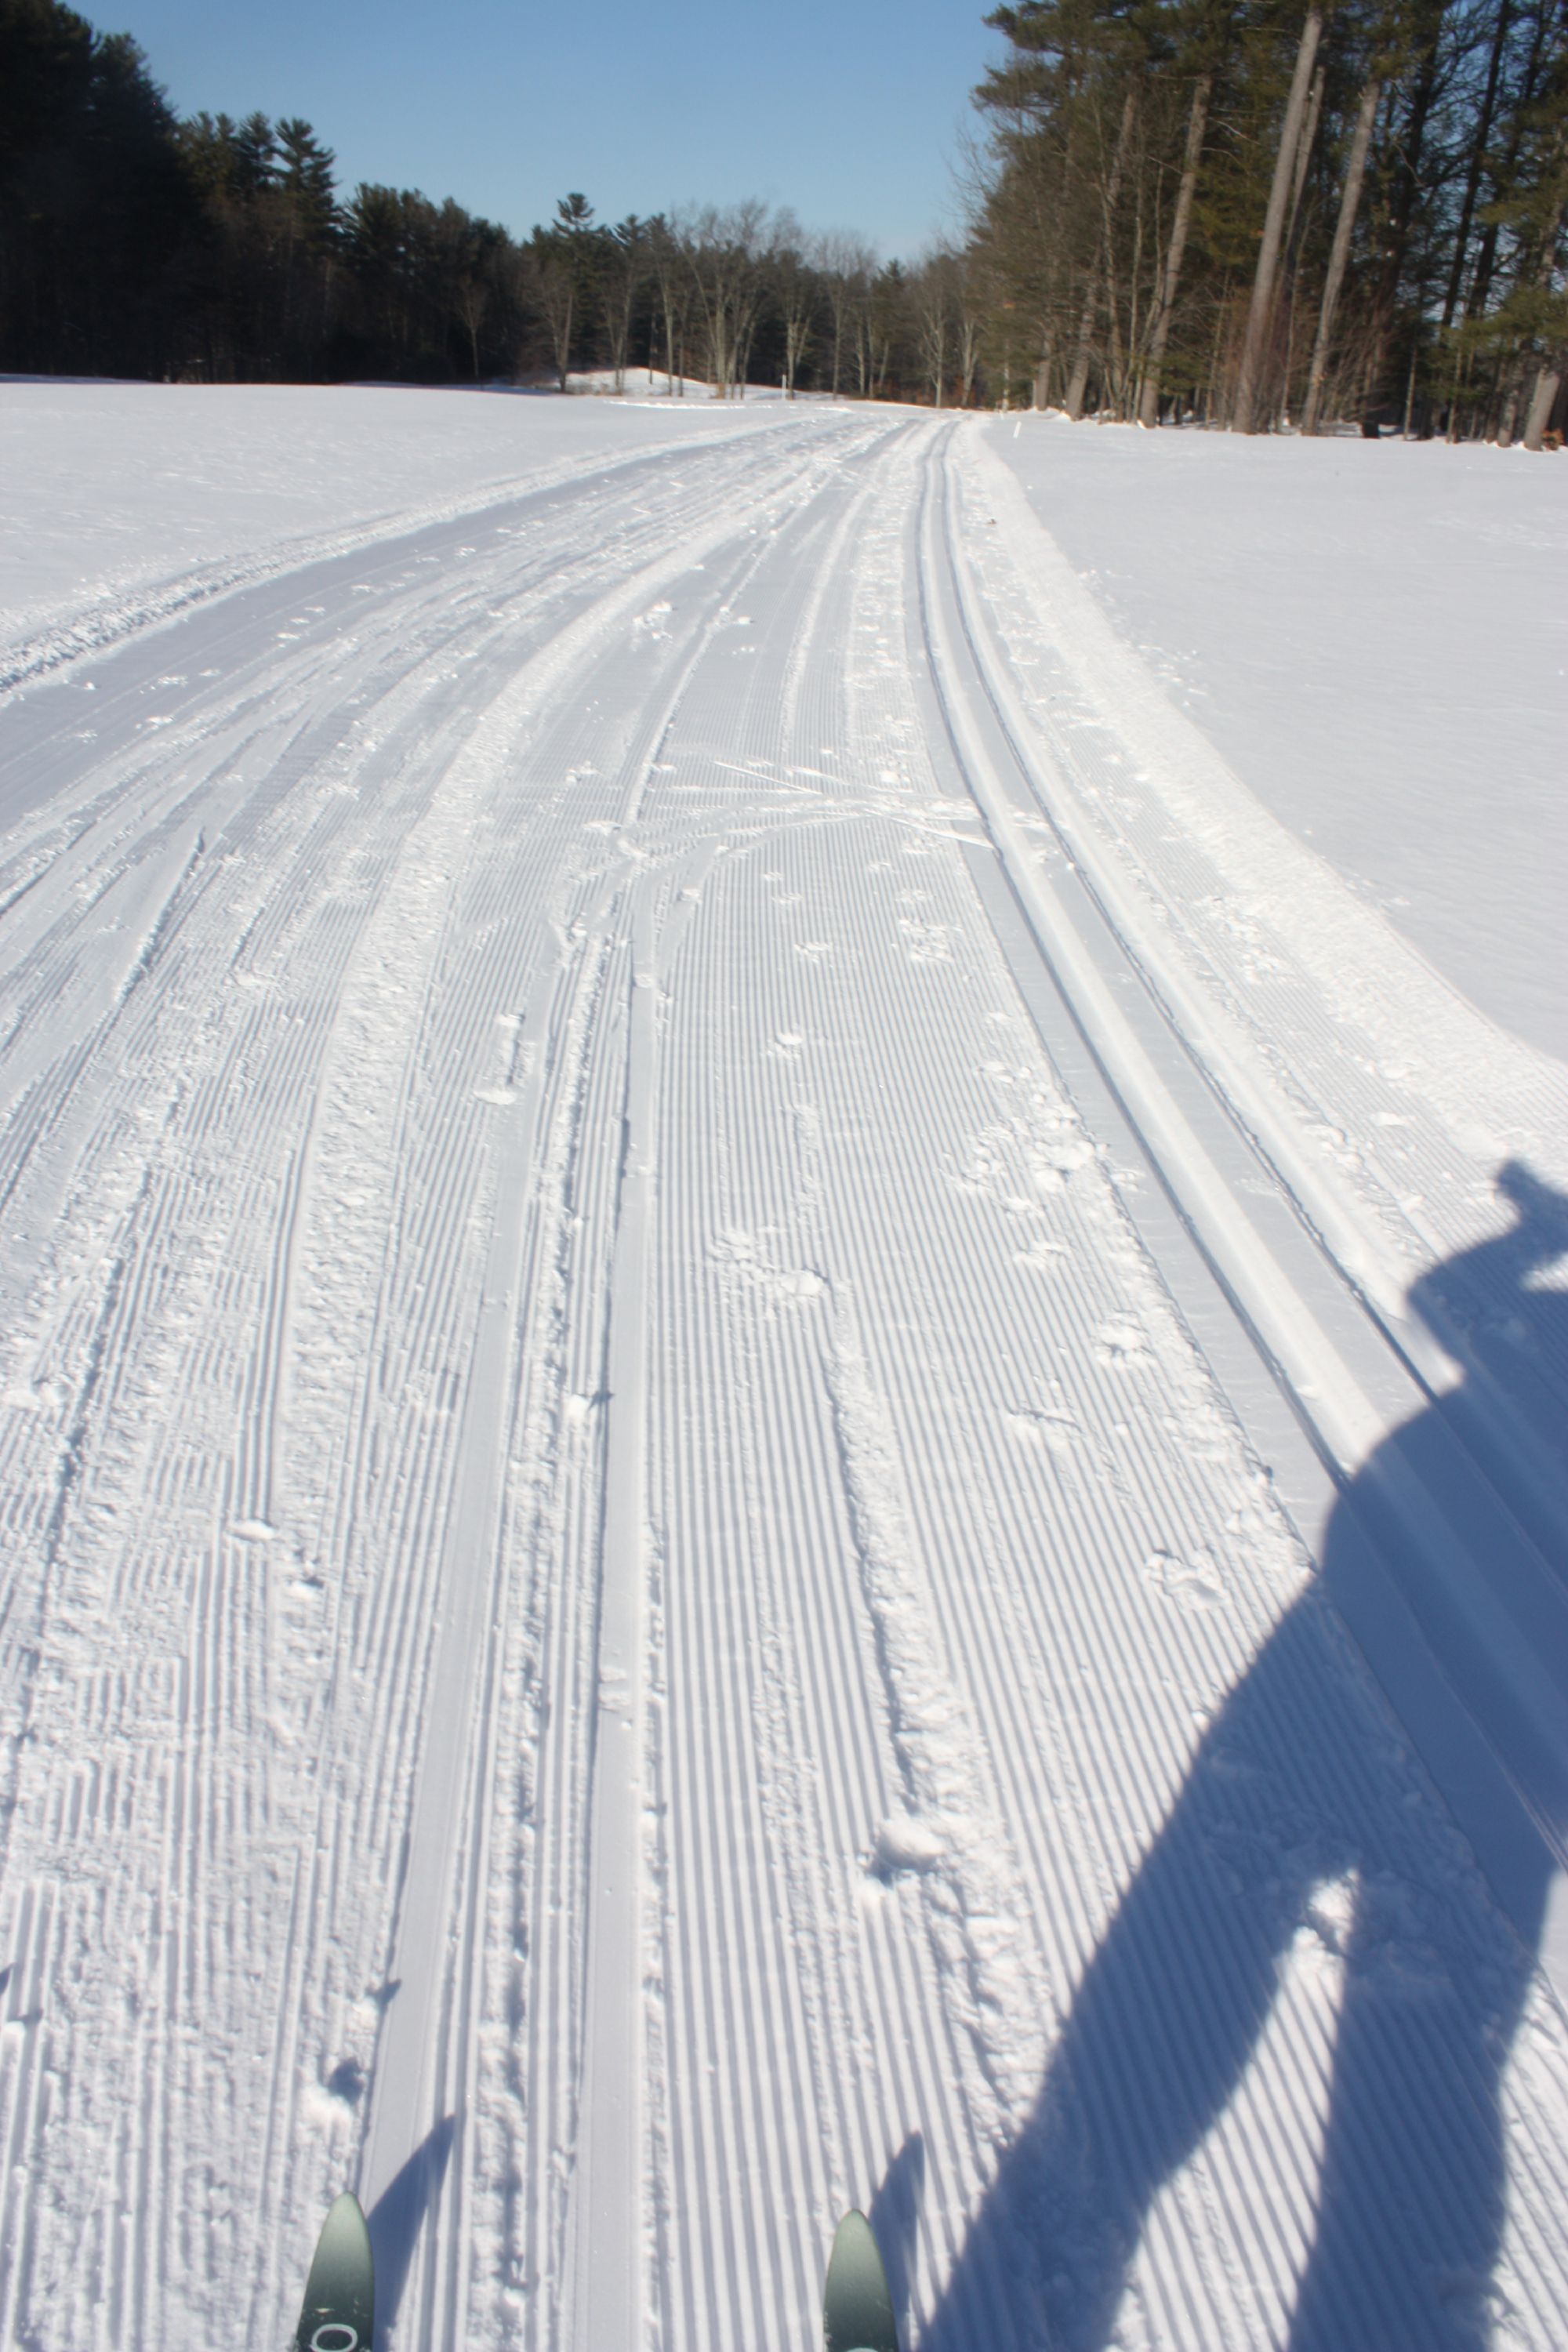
{"x":633,"y":1424}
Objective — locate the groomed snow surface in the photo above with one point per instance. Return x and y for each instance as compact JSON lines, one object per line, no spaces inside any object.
{"x":780,"y":1417}
{"x":1371,"y":633}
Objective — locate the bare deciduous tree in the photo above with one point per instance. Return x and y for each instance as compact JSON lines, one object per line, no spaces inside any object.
{"x":622,"y":268}
{"x":724,"y":250}
{"x":847,"y":265}
{"x":795,"y":292}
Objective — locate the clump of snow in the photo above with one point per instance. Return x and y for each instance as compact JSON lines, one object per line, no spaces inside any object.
{"x":905,"y":1842}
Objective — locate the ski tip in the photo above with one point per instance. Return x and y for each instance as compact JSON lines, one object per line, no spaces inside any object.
{"x":857,"y":2304}
{"x":339,"y":2310}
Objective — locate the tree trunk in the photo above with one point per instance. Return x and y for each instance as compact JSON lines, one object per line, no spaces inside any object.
{"x":564,"y":340}
{"x":1543,"y":400}
{"x":1504,"y":436}
{"x":1356,"y":173}
{"x":969,"y":332}
{"x":1521,"y":101}
{"x":1165,"y":301}
{"x":1303,"y":158}
{"x":1478,"y":160}
{"x":1077,"y":384}
{"x":1549,"y":377}
{"x":1428,"y":16}
{"x":1261,"y":315}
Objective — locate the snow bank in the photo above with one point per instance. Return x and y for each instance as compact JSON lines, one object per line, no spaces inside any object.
{"x":639,"y":383}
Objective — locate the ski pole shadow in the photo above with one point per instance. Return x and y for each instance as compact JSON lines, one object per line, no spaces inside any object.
{"x":895,"y":2219}
{"x":397,"y":2215}
{"x":1295,"y":1843}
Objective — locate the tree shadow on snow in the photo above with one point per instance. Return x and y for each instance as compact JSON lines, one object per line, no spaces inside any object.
{"x":1294,"y":1820}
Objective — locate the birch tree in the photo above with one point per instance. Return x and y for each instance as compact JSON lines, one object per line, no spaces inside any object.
{"x":723,"y":250}
{"x":672,"y":279}
{"x":795,"y":291}
{"x":845,"y":264}
{"x":561,"y":260}
{"x":931,"y":289}
{"x":621,"y":265}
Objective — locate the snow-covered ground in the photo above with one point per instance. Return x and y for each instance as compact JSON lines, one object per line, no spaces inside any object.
{"x":109,"y":492}
{"x":1372,"y":632}
{"x":780,"y":1422}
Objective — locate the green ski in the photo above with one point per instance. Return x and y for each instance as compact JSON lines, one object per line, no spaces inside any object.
{"x":339,"y":2310}
{"x":857,"y":2304}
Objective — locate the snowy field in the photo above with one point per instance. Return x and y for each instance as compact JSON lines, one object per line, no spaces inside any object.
{"x":1372,"y":635}
{"x":782,"y":1400}
{"x":111,"y":492}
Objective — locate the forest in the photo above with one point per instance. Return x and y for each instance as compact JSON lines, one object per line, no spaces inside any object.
{"x":1259,"y":214}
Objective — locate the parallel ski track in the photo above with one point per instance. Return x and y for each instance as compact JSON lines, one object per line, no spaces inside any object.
{"x":68,"y":636}
{"x":1014,"y":1592}
{"x":1466,"y":1537}
{"x":567,"y":1243}
{"x":1390,"y":1188}
{"x":812,"y":2003}
{"x":1488,"y":1534}
{"x":555,"y":1225}
{"x":850,"y":1310}
{"x":265,"y":1097}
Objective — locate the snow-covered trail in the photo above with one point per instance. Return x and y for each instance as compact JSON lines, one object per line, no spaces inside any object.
{"x":673,"y":1378}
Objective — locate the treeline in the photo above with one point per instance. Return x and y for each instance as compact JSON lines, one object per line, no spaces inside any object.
{"x":134,"y":243}
{"x":736,"y":294}
{"x":1266,"y":213}
{"x":1252,"y":213}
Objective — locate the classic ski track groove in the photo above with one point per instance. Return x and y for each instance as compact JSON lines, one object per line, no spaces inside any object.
{"x":1235,"y":980}
{"x":72,"y":634}
{"x":552,"y":1217}
{"x":1307,"y":1344}
{"x":246,"y":1498}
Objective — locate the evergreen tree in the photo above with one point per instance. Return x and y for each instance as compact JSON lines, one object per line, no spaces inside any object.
{"x":94,"y":210}
{"x":1256,"y":207}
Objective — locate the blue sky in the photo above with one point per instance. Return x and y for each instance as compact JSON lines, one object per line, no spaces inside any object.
{"x":848,"y":110}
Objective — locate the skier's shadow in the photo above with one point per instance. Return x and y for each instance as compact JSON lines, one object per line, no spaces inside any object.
{"x":1295,"y":1824}
{"x":895,"y":2220}
{"x":395,"y":2219}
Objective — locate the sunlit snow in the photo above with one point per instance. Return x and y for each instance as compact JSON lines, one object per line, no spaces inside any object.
{"x":782,"y":1404}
